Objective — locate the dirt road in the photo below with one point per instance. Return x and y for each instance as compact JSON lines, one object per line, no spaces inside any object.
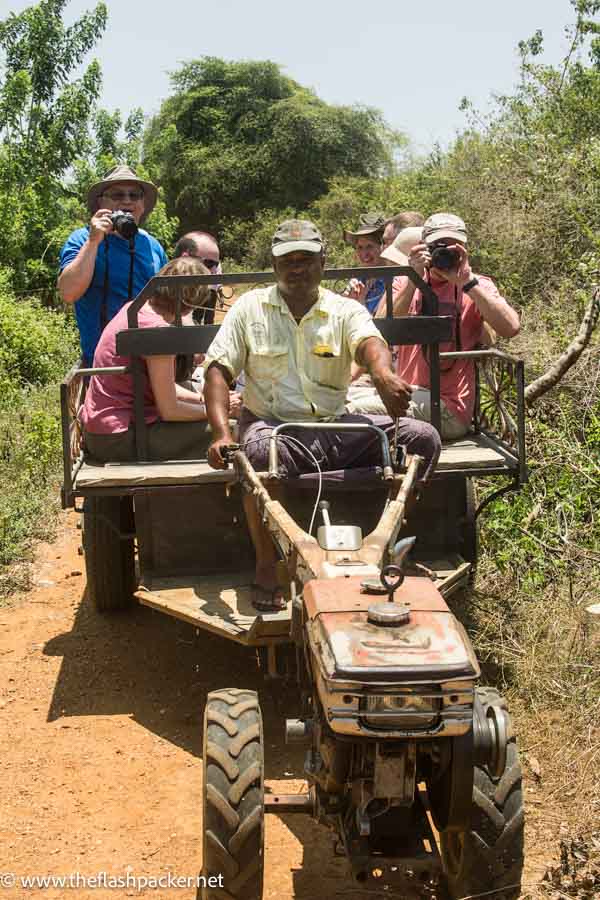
{"x":100,"y":739}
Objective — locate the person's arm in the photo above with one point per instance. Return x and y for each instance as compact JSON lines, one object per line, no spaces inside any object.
{"x":495,"y":311}
{"x":418,"y":259}
{"x":188,"y":396}
{"x":216,"y":394}
{"x":373,"y":354}
{"x":76,"y":277}
{"x":493,"y":308}
{"x":161,"y":371}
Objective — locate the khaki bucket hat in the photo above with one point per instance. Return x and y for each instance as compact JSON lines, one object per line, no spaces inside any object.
{"x":120,"y":174}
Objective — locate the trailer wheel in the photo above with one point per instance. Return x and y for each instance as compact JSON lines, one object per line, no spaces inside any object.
{"x":233,"y":796}
{"x":109,"y":559}
{"x":489,"y":856}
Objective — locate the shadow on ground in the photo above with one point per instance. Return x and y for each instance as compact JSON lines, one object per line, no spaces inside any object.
{"x":158,"y":670}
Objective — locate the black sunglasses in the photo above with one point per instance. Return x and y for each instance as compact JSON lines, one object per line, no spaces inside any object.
{"x":210,"y":263}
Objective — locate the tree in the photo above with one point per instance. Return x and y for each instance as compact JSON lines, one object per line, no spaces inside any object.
{"x":238,"y":138}
{"x":44,"y":119}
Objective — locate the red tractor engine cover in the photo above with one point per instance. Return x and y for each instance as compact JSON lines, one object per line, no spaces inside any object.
{"x":432,"y":645}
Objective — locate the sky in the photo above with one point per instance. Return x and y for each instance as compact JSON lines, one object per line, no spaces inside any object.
{"x":412,"y":60}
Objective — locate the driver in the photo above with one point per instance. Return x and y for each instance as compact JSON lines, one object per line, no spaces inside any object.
{"x":296,"y":342}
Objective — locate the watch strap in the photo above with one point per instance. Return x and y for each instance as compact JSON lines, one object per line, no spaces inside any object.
{"x":470,"y":285}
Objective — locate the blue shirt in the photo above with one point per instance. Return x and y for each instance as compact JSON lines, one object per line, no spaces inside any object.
{"x":148,"y":259}
{"x":374,"y":295}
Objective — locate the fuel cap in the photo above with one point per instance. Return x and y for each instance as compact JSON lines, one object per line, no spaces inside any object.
{"x":388,"y":614}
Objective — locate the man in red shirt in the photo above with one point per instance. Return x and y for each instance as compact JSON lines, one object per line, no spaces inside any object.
{"x":473,"y":301}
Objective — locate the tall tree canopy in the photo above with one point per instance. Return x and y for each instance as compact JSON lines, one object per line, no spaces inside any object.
{"x":237,"y":138}
{"x":44,"y":116}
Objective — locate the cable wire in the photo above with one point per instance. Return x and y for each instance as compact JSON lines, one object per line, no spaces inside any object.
{"x":287,"y":437}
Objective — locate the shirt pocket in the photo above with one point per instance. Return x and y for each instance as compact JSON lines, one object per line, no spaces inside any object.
{"x":325,"y":355}
{"x":268,"y":363}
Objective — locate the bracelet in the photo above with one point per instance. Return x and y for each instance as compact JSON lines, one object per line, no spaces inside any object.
{"x":470,"y":285}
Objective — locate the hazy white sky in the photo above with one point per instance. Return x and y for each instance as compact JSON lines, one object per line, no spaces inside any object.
{"x":413,"y":60}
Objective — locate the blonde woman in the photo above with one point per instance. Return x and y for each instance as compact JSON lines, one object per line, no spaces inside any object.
{"x":177,"y":427}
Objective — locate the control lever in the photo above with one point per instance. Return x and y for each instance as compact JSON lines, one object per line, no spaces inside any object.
{"x":324,"y":508}
{"x":401,"y":550}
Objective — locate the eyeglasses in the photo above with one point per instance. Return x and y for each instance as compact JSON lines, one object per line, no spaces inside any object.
{"x":120,"y":196}
{"x":210,"y":263}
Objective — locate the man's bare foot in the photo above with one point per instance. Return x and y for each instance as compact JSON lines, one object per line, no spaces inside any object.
{"x":268,"y":595}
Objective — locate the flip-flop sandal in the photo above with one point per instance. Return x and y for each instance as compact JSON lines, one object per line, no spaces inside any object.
{"x":268,"y":599}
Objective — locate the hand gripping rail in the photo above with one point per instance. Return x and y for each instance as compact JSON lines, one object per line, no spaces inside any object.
{"x":388,"y":470}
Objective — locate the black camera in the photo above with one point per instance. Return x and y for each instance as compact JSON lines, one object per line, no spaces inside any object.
{"x":444,"y":258}
{"x":124,"y":224}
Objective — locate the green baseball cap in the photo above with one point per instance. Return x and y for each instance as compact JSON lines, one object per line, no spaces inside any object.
{"x":296,"y":234}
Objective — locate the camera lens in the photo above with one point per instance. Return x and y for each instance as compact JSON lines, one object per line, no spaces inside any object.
{"x":124,"y":224}
{"x":444,"y":258}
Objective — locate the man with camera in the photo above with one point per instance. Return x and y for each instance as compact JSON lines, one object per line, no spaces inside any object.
{"x":473,"y":301}
{"x":108,"y":262}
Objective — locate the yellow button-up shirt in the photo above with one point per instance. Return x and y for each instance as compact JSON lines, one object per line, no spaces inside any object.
{"x":294,"y":371}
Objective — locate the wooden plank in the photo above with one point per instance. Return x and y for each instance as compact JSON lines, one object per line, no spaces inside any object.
{"x":474,"y":452}
{"x":470,"y":453}
{"x":157,"y":473}
{"x":218,"y":603}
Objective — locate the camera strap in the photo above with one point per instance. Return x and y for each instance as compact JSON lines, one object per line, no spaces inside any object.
{"x":104,"y":304}
{"x":131,"y":261}
{"x":105,"y":286}
{"x":425,"y":311}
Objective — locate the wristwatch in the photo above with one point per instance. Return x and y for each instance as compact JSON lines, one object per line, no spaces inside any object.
{"x":470,"y":284}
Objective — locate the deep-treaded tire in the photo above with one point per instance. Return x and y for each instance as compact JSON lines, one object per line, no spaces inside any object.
{"x":109,"y":560}
{"x":489,"y":857}
{"x":233,"y":795}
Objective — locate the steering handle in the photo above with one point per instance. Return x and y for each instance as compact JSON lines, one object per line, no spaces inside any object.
{"x":388,"y":471}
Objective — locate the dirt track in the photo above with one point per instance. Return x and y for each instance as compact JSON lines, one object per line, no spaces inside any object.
{"x":100,"y":736}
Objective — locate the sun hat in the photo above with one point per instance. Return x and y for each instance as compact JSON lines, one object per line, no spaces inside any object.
{"x":444,"y":225}
{"x":402,"y":244}
{"x":296,"y":234}
{"x":121,"y":174}
{"x":368,"y":223}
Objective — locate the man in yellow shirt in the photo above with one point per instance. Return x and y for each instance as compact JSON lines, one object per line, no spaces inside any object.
{"x":295,"y":342}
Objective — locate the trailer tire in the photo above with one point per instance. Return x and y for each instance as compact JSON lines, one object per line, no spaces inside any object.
{"x":109,"y":559}
{"x":489,"y":856}
{"x":233,"y":796}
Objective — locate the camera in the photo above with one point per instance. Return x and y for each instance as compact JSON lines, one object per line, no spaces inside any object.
{"x":124,"y":224}
{"x":444,"y":258}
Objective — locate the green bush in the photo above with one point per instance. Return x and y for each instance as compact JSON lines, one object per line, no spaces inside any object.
{"x":37,"y":346}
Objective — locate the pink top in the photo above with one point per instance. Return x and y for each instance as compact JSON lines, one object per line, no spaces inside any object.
{"x":108,"y":406}
{"x":457,"y":378}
